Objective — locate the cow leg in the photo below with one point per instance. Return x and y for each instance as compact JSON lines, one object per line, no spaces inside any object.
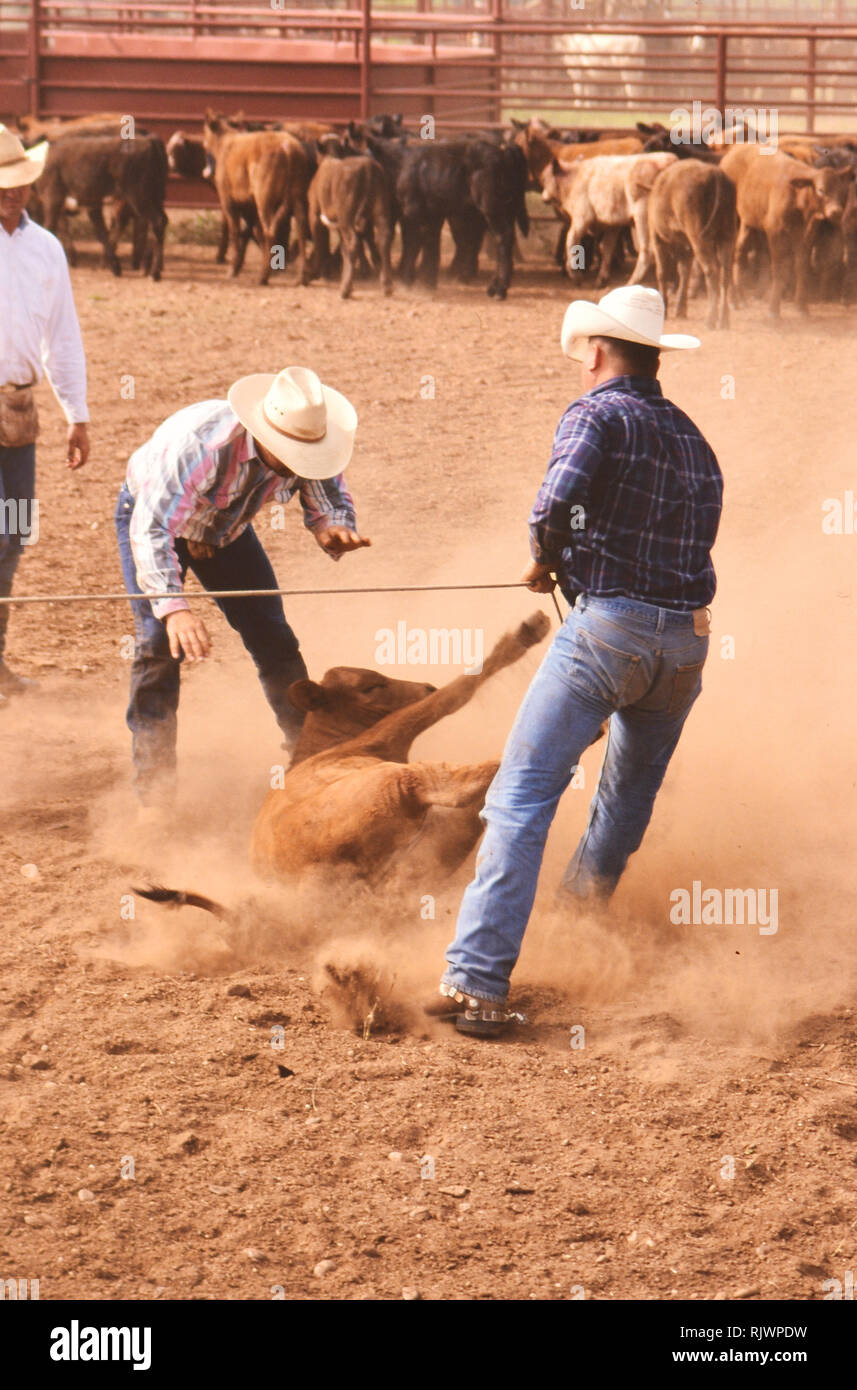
{"x":779,"y":245}
{"x":609,"y":242}
{"x":664,"y":269}
{"x":349,"y":241}
{"x":96,"y":217}
{"x":431,"y":252}
{"x":236,"y":240}
{"x":505,"y":237}
{"x":410,"y":249}
{"x":739,"y":262}
{"x":319,"y":257}
{"x":438,"y":784}
{"x":384,"y":232}
{"x":644,"y":253}
{"x":392,"y":737}
{"x":159,"y":232}
{"x":685,"y":265}
{"x":301,"y":234}
{"x":223,"y":242}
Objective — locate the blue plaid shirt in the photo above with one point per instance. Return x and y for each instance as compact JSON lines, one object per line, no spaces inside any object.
{"x":631,"y":500}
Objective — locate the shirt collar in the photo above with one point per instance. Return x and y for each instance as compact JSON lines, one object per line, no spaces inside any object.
{"x":23,"y":223}
{"x":637,"y":385}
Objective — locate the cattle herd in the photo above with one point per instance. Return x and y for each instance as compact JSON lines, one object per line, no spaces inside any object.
{"x":725,"y":216}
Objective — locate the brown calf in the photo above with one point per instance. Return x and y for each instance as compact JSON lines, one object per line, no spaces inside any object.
{"x":785,"y":200}
{"x":351,"y":196}
{"x":260,"y":175}
{"x":692,"y":215}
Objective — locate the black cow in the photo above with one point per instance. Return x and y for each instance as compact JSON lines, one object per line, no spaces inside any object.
{"x":659,"y":141}
{"x":476,"y":186}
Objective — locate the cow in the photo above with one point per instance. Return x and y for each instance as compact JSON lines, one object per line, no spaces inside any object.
{"x":658,"y":137}
{"x":786,"y":201}
{"x":351,"y":800}
{"x":90,"y":168}
{"x":351,"y":196}
{"x":604,"y":195}
{"x":474,"y":184}
{"x":188,"y":158}
{"x":259,"y":176}
{"x":692,"y":214}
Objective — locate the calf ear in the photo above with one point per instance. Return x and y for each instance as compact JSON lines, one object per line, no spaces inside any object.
{"x":307,"y":695}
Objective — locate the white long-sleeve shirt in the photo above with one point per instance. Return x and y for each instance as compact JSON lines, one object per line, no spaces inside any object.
{"x":39,"y":331}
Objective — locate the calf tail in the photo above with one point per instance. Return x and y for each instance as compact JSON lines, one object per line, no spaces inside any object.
{"x":174,"y":897}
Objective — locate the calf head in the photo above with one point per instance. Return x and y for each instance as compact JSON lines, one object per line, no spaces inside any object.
{"x":345,"y":703}
{"x":832,"y":187}
{"x":187,"y":156}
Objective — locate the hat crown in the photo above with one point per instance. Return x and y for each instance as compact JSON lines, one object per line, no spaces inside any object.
{"x":11,"y":149}
{"x":295,"y":404}
{"x":637,"y":307}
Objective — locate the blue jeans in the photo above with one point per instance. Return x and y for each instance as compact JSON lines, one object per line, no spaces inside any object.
{"x":260,"y":623}
{"x":18,"y":483}
{"x":633,"y":662}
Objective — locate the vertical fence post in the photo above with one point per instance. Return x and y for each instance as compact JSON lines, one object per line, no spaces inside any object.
{"x":497,"y":78}
{"x":34,"y":96}
{"x":810,"y":82}
{"x":720,"y":73}
{"x":366,"y":60}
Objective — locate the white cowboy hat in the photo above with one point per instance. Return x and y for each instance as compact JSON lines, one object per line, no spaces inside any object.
{"x":309,"y":426}
{"x":632,"y":312}
{"x":18,"y":166}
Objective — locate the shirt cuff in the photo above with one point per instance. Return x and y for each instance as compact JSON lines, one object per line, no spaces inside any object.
{"x":163,"y":607}
{"x":337,"y":518}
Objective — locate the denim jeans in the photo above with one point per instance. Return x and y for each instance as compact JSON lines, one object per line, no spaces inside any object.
{"x":18,"y":483}
{"x":637,"y":664}
{"x":260,"y":623}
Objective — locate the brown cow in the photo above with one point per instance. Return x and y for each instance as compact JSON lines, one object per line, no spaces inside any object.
{"x":351,"y":799}
{"x":351,"y":196}
{"x":692,"y":214}
{"x":540,"y":150}
{"x":260,"y":175}
{"x":606,"y":194}
{"x":786,"y":200}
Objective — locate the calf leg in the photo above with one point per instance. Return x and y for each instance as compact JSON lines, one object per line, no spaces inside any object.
{"x":349,"y":242}
{"x":438,"y":784}
{"x":505,"y":236}
{"x":392,"y":737}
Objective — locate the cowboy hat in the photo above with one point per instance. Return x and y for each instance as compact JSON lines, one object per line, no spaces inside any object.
{"x":17,"y":165}
{"x":307,"y":425}
{"x":632,"y":312}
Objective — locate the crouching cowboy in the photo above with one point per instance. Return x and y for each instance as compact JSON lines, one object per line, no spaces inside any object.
{"x":189,"y":497}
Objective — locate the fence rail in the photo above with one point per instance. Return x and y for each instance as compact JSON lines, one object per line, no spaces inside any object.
{"x":166,"y":61}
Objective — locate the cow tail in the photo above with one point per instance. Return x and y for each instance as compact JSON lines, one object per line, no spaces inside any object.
{"x":715,"y":207}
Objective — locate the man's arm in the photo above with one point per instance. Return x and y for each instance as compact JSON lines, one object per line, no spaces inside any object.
{"x":559,"y":511}
{"x":65,"y":364}
{"x":329,"y":513}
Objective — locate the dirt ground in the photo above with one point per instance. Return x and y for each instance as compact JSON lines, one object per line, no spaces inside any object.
{"x":188,"y":1118}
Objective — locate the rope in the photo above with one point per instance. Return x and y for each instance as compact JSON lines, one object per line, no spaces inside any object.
{"x":264,"y":593}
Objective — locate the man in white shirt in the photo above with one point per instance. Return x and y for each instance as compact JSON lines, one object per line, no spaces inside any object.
{"x":39,"y":333}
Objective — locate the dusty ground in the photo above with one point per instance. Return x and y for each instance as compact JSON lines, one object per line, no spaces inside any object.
{"x":154,"y":1143}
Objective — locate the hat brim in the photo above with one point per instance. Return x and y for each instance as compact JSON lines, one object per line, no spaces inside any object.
{"x":22,"y":172}
{"x":583,"y":320}
{"x":323,"y":458}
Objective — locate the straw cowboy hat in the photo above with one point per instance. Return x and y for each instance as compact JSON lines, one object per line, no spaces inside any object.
{"x":18,"y":166}
{"x":633,"y":313}
{"x":307,"y":425}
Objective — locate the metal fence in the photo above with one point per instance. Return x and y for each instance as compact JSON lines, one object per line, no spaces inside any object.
{"x":479,"y":64}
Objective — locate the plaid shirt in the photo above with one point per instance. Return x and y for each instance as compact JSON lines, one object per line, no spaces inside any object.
{"x":198,"y":477}
{"x":631,"y":500}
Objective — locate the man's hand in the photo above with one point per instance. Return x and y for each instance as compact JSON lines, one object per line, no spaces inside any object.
{"x":188,"y":634}
{"x":538,"y":578}
{"x":77,"y":442}
{"x":335,"y":540}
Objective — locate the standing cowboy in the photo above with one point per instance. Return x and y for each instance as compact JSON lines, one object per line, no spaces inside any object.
{"x":39,"y":333}
{"x":187,"y":502}
{"x":625,"y":520}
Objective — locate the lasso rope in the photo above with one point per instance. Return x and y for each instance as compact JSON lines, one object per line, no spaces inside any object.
{"x":266,"y":593}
